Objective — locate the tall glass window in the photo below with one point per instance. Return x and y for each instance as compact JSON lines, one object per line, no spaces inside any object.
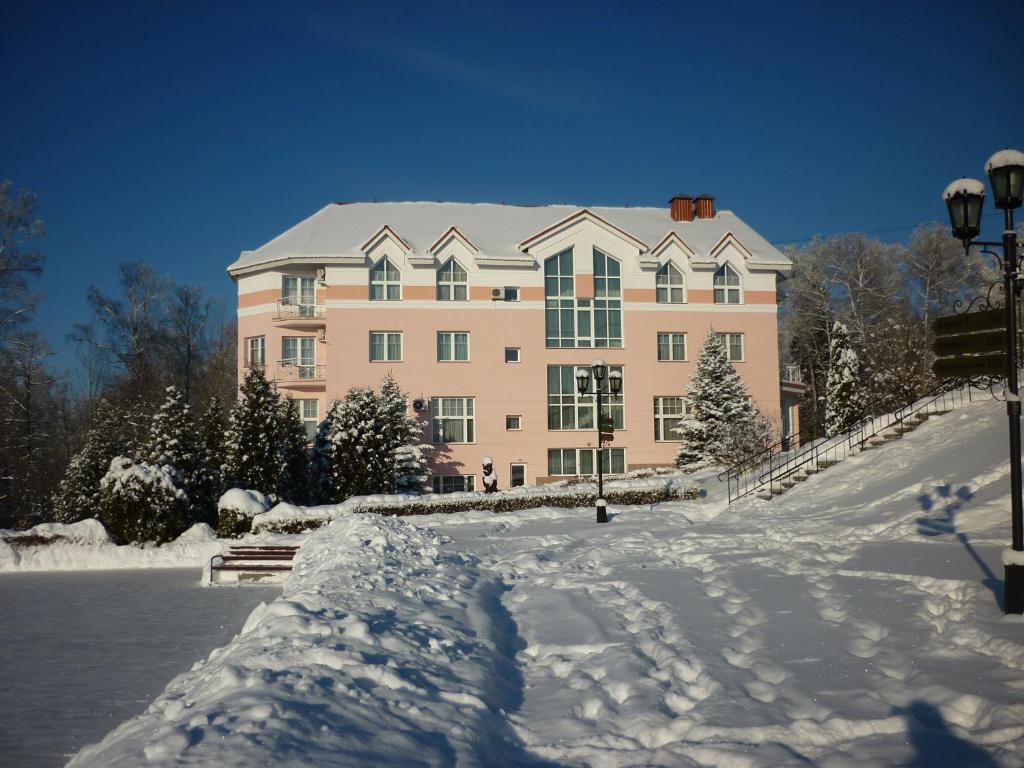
{"x":256,"y":356}
{"x":567,"y":409}
{"x":308,"y":411}
{"x":668,"y":415}
{"x":452,"y":282}
{"x":607,"y":301}
{"x":299,"y":292}
{"x":559,"y":293}
{"x":385,"y":282}
{"x":299,"y":354}
{"x":669,"y":285}
{"x":727,"y":285}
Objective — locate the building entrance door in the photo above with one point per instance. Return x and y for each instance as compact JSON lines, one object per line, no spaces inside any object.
{"x":516,"y":475}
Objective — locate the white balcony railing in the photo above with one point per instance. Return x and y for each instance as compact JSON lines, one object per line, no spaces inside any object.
{"x":292,"y":309}
{"x":792,"y":374}
{"x":293,"y":372}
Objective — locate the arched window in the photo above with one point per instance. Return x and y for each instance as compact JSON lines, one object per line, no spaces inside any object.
{"x":385,"y":282}
{"x":727,"y":286}
{"x":669,"y":286}
{"x":452,"y":282}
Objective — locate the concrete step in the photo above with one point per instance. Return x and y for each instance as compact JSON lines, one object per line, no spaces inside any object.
{"x":764,"y":494}
{"x":826,"y":463}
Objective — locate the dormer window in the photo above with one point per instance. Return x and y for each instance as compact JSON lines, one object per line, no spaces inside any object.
{"x":727,"y":286}
{"x":385,"y":282}
{"x":669,"y":286}
{"x":452,"y":282}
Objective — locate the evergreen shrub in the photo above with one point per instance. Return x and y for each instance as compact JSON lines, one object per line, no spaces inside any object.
{"x":139,"y":502}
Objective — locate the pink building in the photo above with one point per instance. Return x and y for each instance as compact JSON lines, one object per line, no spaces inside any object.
{"x":483,"y":312}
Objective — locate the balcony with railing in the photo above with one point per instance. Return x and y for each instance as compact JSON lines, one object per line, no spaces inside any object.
{"x":791,"y":374}
{"x":299,"y":312}
{"x":295,"y":374}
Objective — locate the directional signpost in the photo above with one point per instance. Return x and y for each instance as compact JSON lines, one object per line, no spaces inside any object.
{"x":968,"y":345}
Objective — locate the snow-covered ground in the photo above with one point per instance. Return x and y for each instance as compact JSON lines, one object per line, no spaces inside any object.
{"x":855,"y":620}
{"x":83,"y":651}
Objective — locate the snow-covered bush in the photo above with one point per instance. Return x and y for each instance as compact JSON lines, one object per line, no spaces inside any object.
{"x":140,"y":502}
{"x":236,"y":509}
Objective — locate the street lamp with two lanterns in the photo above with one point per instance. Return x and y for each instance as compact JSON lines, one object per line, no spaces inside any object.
{"x":599,"y":370}
{"x":964,"y":200}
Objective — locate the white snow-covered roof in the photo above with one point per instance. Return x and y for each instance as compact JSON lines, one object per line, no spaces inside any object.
{"x":338,"y":232}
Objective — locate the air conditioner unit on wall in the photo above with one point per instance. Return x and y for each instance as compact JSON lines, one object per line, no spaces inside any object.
{"x":321,"y":275}
{"x":497,"y":294}
{"x":321,"y":335}
{"x":421,"y":404}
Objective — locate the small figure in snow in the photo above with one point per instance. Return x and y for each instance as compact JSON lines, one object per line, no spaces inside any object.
{"x":490,"y":476}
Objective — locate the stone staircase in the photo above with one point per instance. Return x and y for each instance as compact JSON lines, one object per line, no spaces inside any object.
{"x":881,"y":438}
{"x":251,"y":564}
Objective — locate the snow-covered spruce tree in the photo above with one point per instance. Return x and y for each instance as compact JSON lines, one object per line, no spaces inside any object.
{"x":252,"y":443}
{"x":294,"y":487}
{"x":175,"y":444}
{"x":720,"y":412}
{"x":140,"y":502}
{"x":208,"y":483}
{"x":844,"y":405}
{"x":362,"y":461}
{"x":322,"y":462}
{"x":78,"y":496}
{"x":402,"y":437}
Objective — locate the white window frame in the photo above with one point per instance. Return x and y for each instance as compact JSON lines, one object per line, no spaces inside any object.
{"x":519,"y":354}
{"x":388,"y":337}
{"x":663,"y":281}
{"x":671,"y":346}
{"x":511,"y":479}
{"x":577,"y":455}
{"x":451,"y":346}
{"x":303,"y":293}
{"x":518,"y":423}
{"x":449,"y":281}
{"x":582,"y":407}
{"x":726,"y":339}
{"x":305,"y":364}
{"x":467,"y":418}
{"x":310,"y":415}
{"x":261,"y":343}
{"x":385,"y":276}
{"x":665,"y":421}
{"x":720,"y":282}
{"x":438,"y":482}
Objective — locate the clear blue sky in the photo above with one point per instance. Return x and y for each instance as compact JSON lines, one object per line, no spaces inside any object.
{"x":182,"y":133}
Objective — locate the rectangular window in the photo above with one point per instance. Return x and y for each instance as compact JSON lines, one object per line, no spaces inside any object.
{"x":511,"y":293}
{"x":583,"y":461}
{"x":512,"y":354}
{"x":385,"y":346}
{"x":513,"y":423}
{"x":385,"y":282}
{"x":671,"y":346}
{"x":298,"y":353}
{"x":452,"y":346}
{"x":453,"y":419}
{"x":308,"y":411}
{"x":299,"y":292}
{"x":559,"y":304}
{"x":256,"y":352}
{"x":453,"y":483}
{"x":607,"y":301}
{"x":733,"y":346}
{"x":668,"y":415}
{"x":567,"y":409}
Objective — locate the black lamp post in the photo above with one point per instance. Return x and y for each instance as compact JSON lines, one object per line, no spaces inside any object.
{"x":599,"y":370}
{"x":964,"y":199}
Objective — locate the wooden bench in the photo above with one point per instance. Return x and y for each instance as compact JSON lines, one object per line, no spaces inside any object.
{"x":252,"y":563}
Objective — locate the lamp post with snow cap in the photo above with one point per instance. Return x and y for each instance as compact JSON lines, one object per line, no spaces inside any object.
{"x":964,"y":199}
{"x":599,"y":370}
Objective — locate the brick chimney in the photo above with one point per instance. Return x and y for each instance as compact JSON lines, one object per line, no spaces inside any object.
{"x":704,"y":206}
{"x":681,"y":208}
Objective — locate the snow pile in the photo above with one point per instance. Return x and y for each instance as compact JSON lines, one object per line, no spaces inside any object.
{"x":86,"y":546}
{"x":385,"y":649}
{"x":243,"y":502}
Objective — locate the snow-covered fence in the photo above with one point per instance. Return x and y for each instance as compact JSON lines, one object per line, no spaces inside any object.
{"x":652,"y":490}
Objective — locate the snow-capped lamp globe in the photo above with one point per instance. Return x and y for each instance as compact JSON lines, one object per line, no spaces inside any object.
{"x":964,"y":199}
{"x":615,"y":382}
{"x":600,"y":369}
{"x":582,"y":380}
{"x":1005,"y":171}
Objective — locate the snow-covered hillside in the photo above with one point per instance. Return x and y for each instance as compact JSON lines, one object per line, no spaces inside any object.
{"x":853,"y":621}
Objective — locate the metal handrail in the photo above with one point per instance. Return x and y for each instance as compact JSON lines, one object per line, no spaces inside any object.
{"x":296,"y":309}
{"x":856,"y":436}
